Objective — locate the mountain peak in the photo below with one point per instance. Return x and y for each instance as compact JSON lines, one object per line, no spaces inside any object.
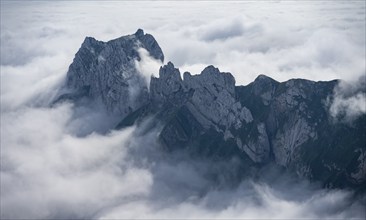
{"x":265,"y":121}
{"x":210,"y":70}
{"x":169,"y":71}
{"x":139,"y":33}
{"x":262,"y":77}
{"x":89,"y":40}
{"x":107,"y":71}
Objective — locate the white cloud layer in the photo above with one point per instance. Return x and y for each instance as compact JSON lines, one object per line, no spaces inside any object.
{"x":315,"y":40}
{"x":63,"y":162}
{"x":48,"y":172}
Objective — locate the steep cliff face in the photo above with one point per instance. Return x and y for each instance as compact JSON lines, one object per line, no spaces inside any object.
{"x":107,"y":71}
{"x":266,"y":121}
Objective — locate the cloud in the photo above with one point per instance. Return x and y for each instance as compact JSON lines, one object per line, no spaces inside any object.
{"x":147,"y":66}
{"x":223,"y":31}
{"x":66,"y":162}
{"x":320,"y":42}
{"x":349,"y":100}
{"x":35,"y":81}
{"x":350,"y":107}
{"x":49,"y":172}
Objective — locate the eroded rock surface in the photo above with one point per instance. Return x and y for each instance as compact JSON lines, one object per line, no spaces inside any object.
{"x":265,"y":121}
{"x":107,"y":71}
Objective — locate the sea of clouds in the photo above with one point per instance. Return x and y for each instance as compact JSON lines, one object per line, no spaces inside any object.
{"x":66,"y":162}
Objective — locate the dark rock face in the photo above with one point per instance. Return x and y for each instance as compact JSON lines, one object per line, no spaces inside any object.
{"x":106,"y":71}
{"x":301,"y":133}
{"x":168,"y":87}
{"x":266,"y":121}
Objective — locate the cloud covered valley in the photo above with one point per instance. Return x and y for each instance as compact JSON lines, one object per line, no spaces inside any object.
{"x":67,"y":161}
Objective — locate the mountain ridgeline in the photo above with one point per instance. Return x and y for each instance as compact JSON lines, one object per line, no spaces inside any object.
{"x":264,"y":122}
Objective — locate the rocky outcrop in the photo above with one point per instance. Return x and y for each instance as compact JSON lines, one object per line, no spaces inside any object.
{"x":214,"y":98}
{"x":287,"y":123}
{"x":200,"y":104}
{"x":258,"y":150}
{"x":107,"y":71}
{"x":168,"y":87}
{"x":265,"y":121}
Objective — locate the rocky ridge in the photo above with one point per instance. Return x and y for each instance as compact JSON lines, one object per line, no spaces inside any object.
{"x":266,"y":121}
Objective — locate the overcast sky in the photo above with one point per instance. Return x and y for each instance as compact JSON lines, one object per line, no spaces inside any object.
{"x":62,"y":163}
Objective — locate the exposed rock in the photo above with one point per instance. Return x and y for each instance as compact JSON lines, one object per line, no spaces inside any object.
{"x":266,"y":121}
{"x":301,"y":134}
{"x":214,"y":98}
{"x":168,"y":87}
{"x":360,"y":174}
{"x":257,"y":150}
{"x":107,"y":71}
{"x":265,"y":88}
{"x":293,"y":134}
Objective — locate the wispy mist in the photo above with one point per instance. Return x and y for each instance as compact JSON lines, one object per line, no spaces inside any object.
{"x":147,"y":66}
{"x":49,"y":172}
{"x":349,"y":100}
